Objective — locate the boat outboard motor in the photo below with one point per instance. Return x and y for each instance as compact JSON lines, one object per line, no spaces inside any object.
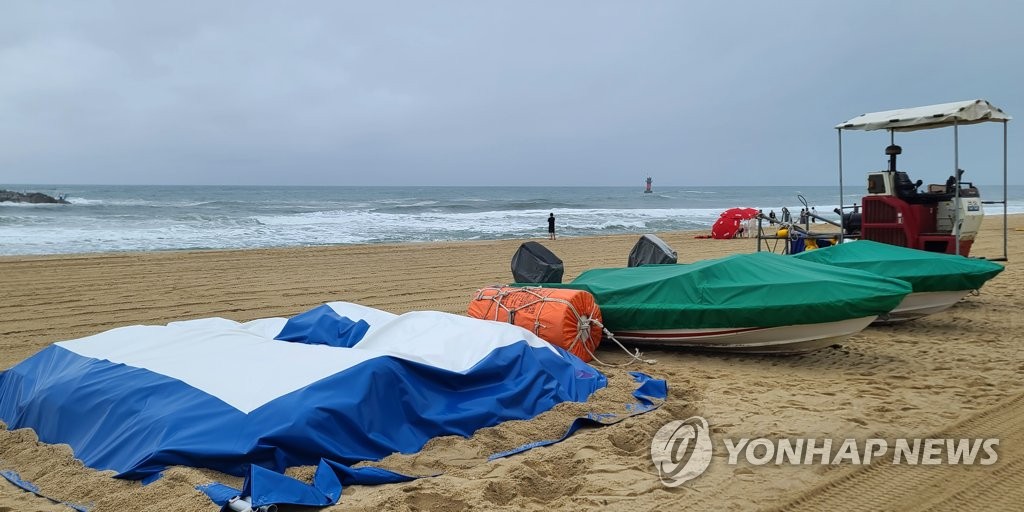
{"x":851,"y":223}
{"x":534,"y":263}
{"x":651,"y":250}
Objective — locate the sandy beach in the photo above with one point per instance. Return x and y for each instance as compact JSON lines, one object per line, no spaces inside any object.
{"x":959,"y":374}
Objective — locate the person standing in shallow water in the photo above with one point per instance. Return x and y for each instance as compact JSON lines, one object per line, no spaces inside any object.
{"x":551,"y":226}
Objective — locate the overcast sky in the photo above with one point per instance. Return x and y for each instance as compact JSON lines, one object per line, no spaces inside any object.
{"x":495,"y":93}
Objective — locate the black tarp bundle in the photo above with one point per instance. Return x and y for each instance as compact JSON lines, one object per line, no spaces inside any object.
{"x":651,"y":250}
{"x":534,"y":263}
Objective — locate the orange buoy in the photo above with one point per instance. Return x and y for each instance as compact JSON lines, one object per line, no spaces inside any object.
{"x":559,"y":316}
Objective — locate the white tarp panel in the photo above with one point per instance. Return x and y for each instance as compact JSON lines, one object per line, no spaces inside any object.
{"x":931,"y":116}
{"x":228,"y":347}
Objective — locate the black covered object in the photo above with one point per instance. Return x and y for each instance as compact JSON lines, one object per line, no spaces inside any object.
{"x":534,"y":263}
{"x":651,"y":250}
{"x":851,"y":222}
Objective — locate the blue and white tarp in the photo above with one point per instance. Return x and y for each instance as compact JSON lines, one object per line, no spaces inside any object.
{"x":341,"y":382}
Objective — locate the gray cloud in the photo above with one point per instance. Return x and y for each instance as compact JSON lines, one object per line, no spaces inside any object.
{"x":533,"y":93}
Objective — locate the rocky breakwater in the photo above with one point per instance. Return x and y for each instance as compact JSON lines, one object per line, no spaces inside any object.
{"x":30,"y":197}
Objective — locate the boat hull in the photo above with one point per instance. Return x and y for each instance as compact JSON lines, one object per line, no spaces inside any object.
{"x":917,"y":305}
{"x":786,"y":339}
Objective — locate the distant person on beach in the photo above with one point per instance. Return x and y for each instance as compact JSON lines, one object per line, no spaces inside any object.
{"x":551,"y":226}
{"x":771,"y":218}
{"x":813,"y":214}
{"x":803,"y":216}
{"x":785,"y":215}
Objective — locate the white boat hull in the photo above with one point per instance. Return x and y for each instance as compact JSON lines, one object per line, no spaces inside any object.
{"x":917,"y":305}
{"x":787,"y":339}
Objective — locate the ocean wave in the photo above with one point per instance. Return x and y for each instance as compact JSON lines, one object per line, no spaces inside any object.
{"x":12,"y":204}
{"x":83,"y":201}
{"x":465,"y":206}
{"x":220,"y":203}
{"x":103,"y":219}
{"x":130,"y":202}
{"x":206,"y":220}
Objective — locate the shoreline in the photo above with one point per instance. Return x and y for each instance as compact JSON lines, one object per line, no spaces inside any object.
{"x":542,"y":237}
{"x":913,"y":380}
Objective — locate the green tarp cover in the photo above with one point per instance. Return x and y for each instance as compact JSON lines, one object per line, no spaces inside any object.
{"x":743,"y":290}
{"x":925,"y":271}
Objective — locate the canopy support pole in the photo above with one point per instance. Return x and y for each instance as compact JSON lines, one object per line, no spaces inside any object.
{"x":842,"y":221}
{"x":956,"y":172}
{"x":1006,"y":253}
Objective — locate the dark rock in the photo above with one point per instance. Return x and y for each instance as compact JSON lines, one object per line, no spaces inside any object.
{"x":30,"y":197}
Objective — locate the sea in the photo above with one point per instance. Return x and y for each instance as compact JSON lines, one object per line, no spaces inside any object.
{"x":108,"y":218}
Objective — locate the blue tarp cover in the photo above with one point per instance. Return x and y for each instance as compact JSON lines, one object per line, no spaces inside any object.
{"x":349,"y":384}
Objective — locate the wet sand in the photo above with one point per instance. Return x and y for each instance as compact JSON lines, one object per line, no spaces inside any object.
{"x":958,"y":374}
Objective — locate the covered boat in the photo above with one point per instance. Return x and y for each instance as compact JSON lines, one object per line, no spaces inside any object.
{"x":534,"y":263}
{"x":939,"y":280}
{"x":651,"y":250}
{"x":759,"y":302}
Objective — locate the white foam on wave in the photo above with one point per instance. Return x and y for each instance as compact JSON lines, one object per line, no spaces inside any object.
{"x":191,"y":231}
{"x":43,"y":232}
{"x":12,"y":204}
{"x":83,"y":201}
{"x":490,"y":221}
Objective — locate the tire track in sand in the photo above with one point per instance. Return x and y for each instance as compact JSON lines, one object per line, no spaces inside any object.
{"x":885,"y":486}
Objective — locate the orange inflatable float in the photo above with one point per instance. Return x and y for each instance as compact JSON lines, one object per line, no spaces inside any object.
{"x":559,"y":316}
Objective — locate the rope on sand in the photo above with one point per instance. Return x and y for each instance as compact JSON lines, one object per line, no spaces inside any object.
{"x":636,"y":355}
